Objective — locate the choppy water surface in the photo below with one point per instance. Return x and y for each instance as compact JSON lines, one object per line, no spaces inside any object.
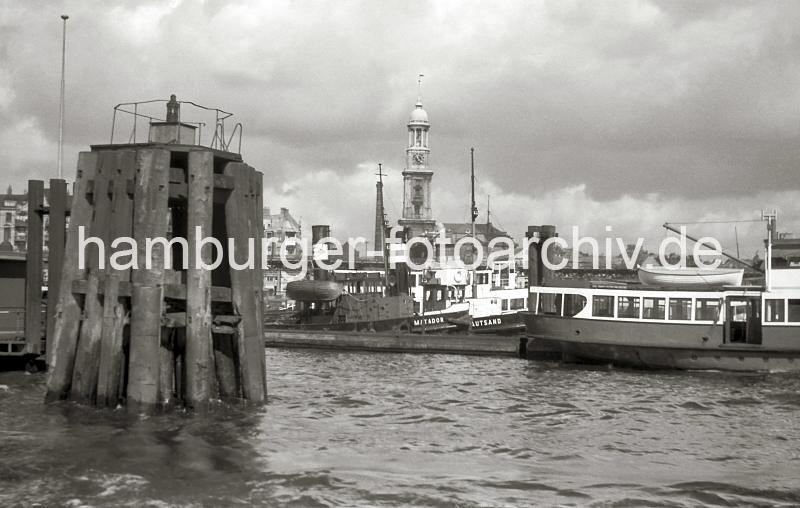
{"x":390,"y":429}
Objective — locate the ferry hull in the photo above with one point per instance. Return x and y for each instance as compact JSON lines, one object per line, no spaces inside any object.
{"x":733,"y":359}
{"x":662,"y":345}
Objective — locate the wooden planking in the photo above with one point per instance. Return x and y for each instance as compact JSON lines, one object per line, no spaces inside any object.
{"x":176,"y":175}
{"x":173,"y":291}
{"x":145,"y":344}
{"x":178,"y":189}
{"x":166,"y":369}
{"x":257,"y":232}
{"x":87,"y":357}
{"x":225,"y":362}
{"x":198,"y":355}
{"x":150,"y":220}
{"x":238,"y":218}
{"x":122,"y":202}
{"x":33,"y":268}
{"x":101,"y":203}
{"x":162,"y":367}
{"x":68,"y":310}
{"x":109,"y":389}
{"x":56,"y":231}
{"x":111,"y":354}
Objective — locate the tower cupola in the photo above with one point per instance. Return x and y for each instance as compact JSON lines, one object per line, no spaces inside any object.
{"x":418,"y":116}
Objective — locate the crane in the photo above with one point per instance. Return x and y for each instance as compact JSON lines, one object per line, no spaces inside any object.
{"x":670,"y":227}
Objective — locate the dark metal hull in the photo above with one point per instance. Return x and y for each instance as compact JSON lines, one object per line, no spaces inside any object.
{"x":734,"y":359}
{"x":437,"y":322}
{"x":498,"y":324}
{"x":384,"y":325}
{"x":659,"y":345}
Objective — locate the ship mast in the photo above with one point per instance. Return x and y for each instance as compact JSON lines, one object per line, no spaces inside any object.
{"x":473,"y":213}
{"x":770,"y":217}
{"x":383,"y":226}
{"x":474,"y":207}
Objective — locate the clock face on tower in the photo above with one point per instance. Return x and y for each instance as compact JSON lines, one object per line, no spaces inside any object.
{"x":418,"y":158}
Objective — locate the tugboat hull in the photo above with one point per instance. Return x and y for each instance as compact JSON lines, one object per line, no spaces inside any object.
{"x":399,"y":324}
{"x":437,"y":322}
{"x":498,"y":324}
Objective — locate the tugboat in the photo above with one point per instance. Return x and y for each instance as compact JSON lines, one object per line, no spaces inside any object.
{"x":495,"y":308}
{"x":736,"y":328}
{"x":485,"y":301}
{"x":325,"y":305}
{"x":439,"y":299}
{"x":356,"y":301}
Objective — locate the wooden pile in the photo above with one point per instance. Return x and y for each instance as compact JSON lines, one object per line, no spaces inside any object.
{"x":160,"y":336}
{"x":55,"y":209}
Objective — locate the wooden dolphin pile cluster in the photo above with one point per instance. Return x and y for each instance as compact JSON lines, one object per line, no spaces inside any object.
{"x":160,"y":336}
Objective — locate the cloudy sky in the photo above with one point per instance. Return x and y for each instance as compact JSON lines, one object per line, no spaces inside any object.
{"x":621,"y":113}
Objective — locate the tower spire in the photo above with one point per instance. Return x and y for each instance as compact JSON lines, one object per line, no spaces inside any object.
{"x":417,"y":175}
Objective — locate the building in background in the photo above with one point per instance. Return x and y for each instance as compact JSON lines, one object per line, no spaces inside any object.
{"x":14,"y":223}
{"x":484,"y":234}
{"x":8,"y":217}
{"x":283,"y":228}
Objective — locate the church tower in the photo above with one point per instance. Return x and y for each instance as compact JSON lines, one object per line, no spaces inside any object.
{"x":417,"y":176}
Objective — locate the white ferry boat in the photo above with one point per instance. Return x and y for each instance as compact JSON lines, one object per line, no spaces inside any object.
{"x":440,"y":299}
{"x":480,"y":301}
{"x":500,"y":296}
{"x":746,"y":328}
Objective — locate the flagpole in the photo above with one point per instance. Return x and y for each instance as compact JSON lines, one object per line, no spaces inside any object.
{"x":64,"y":17}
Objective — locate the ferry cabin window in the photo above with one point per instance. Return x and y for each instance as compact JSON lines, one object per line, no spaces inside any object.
{"x":794,"y":311}
{"x":774,"y":311}
{"x":573,"y":304}
{"x":680,"y":309}
{"x":482,"y":278}
{"x":628,"y":307}
{"x":504,"y":304}
{"x":653,"y":308}
{"x":517,"y":303}
{"x":532,"y":302}
{"x":550,"y":303}
{"x":706,"y":309}
{"x":602,"y":306}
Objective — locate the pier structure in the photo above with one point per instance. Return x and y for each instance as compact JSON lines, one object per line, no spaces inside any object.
{"x":24,"y":321}
{"x":171,"y":329}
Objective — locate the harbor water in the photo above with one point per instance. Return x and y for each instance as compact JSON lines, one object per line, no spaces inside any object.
{"x":374,"y":429}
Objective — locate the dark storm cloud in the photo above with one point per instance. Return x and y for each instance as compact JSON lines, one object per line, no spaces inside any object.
{"x":623,"y":98}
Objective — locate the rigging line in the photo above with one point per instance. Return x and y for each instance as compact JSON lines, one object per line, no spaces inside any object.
{"x":718,"y":221}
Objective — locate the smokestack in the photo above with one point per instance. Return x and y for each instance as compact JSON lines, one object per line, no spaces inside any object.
{"x":318,"y":232}
{"x":536,"y":269}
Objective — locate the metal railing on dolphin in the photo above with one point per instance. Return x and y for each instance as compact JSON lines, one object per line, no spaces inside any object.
{"x":139,"y":110}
